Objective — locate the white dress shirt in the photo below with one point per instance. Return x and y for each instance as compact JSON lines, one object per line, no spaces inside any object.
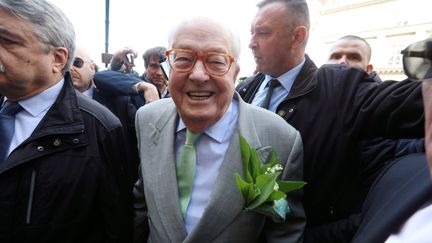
{"x":417,"y":229}
{"x":210,"y":148}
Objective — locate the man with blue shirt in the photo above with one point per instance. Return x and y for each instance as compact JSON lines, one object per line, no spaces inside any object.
{"x":334,"y":108}
{"x":61,"y":153}
{"x":190,"y":149}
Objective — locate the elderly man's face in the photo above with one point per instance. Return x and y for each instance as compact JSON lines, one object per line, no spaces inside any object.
{"x":28,"y":67}
{"x":427,"y":101}
{"x":202,"y":98}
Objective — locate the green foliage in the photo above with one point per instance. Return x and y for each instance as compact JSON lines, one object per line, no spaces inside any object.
{"x":262,"y":192}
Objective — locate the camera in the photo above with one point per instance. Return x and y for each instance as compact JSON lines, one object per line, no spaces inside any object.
{"x":130,"y":58}
{"x":164,"y":65}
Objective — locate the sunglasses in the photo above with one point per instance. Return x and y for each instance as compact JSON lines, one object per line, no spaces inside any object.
{"x":78,"y":62}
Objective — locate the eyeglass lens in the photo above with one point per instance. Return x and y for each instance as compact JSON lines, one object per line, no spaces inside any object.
{"x":215,"y":63}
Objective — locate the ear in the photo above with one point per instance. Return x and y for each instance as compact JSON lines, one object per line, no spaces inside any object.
{"x":236,"y":72}
{"x":300,"y":35}
{"x":60,"y":55}
{"x":369,"y":68}
{"x":92,"y":68}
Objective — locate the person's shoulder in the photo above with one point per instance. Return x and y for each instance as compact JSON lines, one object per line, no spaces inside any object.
{"x":156,"y":108}
{"x":268,"y":121}
{"x":249,"y":81}
{"x":98,"y":111}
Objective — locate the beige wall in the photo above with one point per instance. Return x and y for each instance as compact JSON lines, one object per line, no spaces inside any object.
{"x":388,"y":25}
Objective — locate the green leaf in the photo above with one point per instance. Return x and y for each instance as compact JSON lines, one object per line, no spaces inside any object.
{"x":287,"y":186}
{"x":254,"y":165}
{"x":245,"y":154}
{"x":276,"y":195}
{"x":254,"y":192}
{"x":243,"y":186}
{"x":265,"y":183}
{"x":273,"y":158}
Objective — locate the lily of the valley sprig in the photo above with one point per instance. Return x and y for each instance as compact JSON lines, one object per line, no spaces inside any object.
{"x":261,"y":190}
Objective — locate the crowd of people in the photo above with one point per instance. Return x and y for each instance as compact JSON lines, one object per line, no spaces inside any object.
{"x":89,"y":155}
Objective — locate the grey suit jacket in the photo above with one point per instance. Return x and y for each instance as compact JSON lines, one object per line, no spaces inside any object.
{"x":157,"y":211}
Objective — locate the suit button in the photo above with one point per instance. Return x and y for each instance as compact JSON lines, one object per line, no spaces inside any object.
{"x":290,"y":110}
{"x":57,"y":142}
{"x":40,"y":148}
{"x":75,"y":140}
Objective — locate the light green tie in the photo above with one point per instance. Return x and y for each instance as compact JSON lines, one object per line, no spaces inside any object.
{"x":186,"y":169}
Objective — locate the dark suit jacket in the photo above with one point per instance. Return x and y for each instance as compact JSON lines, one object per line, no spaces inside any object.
{"x":125,"y":110}
{"x":403,"y":187}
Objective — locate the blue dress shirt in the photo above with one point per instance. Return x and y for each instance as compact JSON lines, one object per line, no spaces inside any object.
{"x":210,"y":149}
{"x":280,"y":92}
{"x":34,"y":109}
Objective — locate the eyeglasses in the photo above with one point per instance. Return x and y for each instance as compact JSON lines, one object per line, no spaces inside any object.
{"x":184,"y":61}
{"x":417,"y":60}
{"x":78,"y":62}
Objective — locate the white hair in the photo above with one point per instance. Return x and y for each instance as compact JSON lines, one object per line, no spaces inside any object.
{"x":234,"y":37}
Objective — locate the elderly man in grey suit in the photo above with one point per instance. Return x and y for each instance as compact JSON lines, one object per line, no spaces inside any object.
{"x":202,"y":81}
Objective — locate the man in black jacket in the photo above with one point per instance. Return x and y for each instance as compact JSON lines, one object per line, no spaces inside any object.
{"x":62,"y":174}
{"x":82,"y":72}
{"x":333,"y":107}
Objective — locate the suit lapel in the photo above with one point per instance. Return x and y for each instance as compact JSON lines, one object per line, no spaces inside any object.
{"x":226,"y":201}
{"x":162,"y":171}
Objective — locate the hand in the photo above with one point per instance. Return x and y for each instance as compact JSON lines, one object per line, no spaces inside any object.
{"x":120,"y":57}
{"x":150,"y":91}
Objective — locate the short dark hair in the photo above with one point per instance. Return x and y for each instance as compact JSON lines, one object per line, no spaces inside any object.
{"x":298,"y":8}
{"x":355,"y":37}
{"x":158,"y":52}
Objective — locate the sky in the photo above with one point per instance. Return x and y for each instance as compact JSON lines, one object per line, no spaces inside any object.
{"x":142,"y":24}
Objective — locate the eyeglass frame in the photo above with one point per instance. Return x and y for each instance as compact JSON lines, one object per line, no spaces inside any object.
{"x":201,"y":58}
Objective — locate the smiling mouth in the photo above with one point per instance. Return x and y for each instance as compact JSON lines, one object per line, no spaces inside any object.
{"x":199,"y":95}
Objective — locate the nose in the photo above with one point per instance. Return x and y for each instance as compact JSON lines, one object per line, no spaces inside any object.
{"x":343,"y":60}
{"x":199,"y":73}
{"x":252,"y":43}
{"x":159,"y":71}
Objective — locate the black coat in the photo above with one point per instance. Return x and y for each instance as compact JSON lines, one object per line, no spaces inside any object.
{"x":65,"y":183}
{"x":403,"y":187}
{"x":334,"y":107}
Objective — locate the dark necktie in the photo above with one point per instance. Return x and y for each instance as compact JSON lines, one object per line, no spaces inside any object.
{"x":186,"y":169}
{"x":7,"y":126}
{"x":272,"y":84}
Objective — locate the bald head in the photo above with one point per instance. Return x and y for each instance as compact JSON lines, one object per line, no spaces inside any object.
{"x":82,"y":70}
{"x":352,"y":51}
